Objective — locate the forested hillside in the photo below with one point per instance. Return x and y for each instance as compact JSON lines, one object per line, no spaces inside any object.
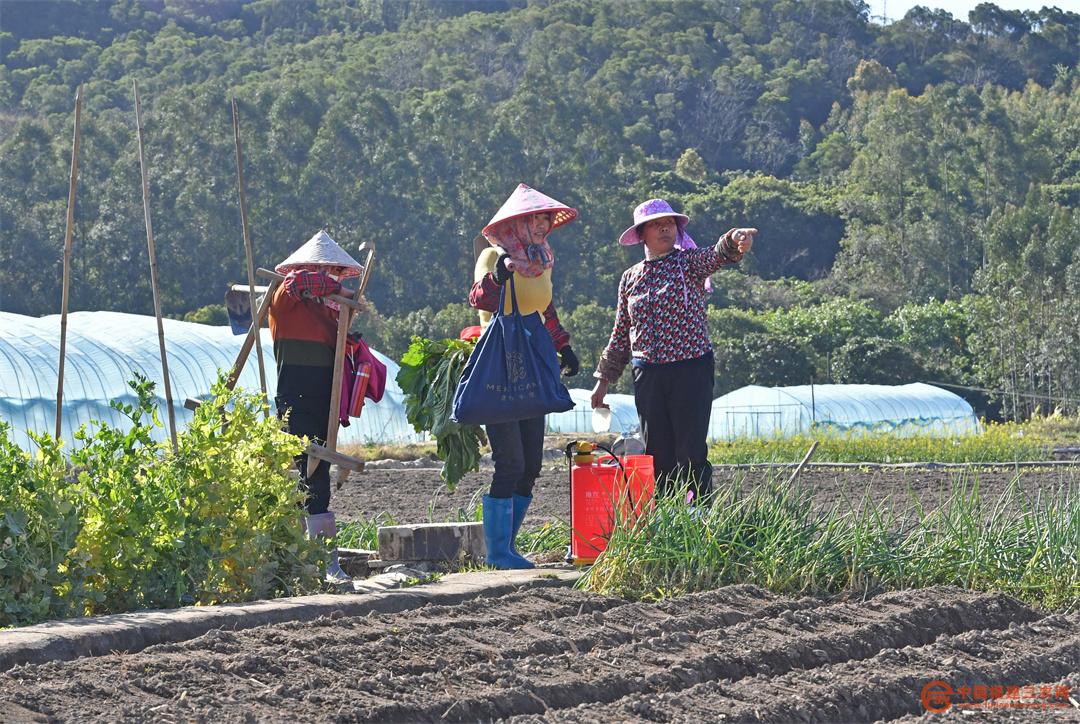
{"x":917,"y":185}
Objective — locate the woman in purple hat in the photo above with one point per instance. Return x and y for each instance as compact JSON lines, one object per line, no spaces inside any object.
{"x":661,"y":330}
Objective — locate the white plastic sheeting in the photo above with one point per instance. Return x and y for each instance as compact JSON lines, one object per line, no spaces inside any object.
{"x":914,"y":409}
{"x":106,"y":349}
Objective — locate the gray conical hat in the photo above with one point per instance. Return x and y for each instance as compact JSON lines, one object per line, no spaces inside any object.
{"x":321,"y":249}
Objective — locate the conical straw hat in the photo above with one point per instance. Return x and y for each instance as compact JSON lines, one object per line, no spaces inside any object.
{"x":525,"y":201}
{"x":322,"y":250}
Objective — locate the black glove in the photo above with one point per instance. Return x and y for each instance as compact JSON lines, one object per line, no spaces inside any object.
{"x":569,"y":364}
{"x":500,"y":273}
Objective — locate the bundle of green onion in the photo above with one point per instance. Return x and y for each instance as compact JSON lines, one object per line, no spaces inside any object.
{"x":428,"y":377}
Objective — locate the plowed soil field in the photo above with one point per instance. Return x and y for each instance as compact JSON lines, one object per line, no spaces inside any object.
{"x":735,"y":654}
{"x":412,"y":496}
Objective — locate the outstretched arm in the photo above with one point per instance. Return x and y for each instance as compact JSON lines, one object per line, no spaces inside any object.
{"x":729,"y":249}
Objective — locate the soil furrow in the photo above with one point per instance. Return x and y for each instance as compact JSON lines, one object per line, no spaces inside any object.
{"x":562,"y":654}
{"x":675,"y":660}
{"x":883,"y":687}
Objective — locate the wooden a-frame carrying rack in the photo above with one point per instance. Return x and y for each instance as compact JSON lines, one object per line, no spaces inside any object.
{"x":349,"y":308}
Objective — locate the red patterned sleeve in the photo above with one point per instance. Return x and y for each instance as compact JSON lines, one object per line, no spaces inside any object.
{"x":485,"y":294}
{"x":706,"y":262}
{"x":559,"y":336}
{"x":727,"y":247}
{"x":617,"y":353}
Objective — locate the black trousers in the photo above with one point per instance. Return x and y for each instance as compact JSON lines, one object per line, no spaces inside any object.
{"x":303,"y":393}
{"x":517,"y":449}
{"x":674,"y":401}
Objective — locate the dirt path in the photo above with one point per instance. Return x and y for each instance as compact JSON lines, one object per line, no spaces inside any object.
{"x":738,"y":654}
{"x":416,"y":495}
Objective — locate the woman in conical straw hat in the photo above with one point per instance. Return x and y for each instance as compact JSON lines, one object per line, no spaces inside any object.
{"x":661,"y":329}
{"x":303,"y":324}
{"x":518,"y":239}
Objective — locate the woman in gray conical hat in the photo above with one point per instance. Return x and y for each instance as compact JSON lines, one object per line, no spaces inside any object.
{"x":303,"y":324}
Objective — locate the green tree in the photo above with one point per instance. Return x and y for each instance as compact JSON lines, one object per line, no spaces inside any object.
{"x":762,"y":358}
{"x":936,"y":333}
{"x":691,"y":167}
{"x":590,"y":326}
{"x":875,"y":361}
{"x":825,"y":327}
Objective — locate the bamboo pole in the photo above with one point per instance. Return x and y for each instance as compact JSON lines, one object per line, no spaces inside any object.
{"x":248,"y":249}
{"x":153,"y":269}
{"x":68,"y":231}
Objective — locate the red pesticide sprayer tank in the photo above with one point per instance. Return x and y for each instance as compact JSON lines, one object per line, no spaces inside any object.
{"x":600,"y":490}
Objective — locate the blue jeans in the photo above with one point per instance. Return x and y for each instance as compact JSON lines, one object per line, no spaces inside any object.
{"x":517,"y":449}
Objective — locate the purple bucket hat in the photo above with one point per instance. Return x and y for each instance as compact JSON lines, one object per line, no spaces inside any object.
{"x":647,"y":211}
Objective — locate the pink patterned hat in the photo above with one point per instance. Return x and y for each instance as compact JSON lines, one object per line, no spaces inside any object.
{"x":525,"y":201}
{"x":647,"y":211}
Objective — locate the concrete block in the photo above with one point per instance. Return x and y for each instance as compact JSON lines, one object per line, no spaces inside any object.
{"x":354,"y":561}
{"x":432,"y":542}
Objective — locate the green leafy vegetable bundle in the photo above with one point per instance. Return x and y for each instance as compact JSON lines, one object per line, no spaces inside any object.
{"x":428,"y":377}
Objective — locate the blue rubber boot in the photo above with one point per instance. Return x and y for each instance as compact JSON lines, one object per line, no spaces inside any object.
{"x":498,"y":521}
{"x":521,"y":504}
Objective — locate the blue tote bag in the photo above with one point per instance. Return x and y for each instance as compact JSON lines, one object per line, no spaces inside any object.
{"x":513,"y":374}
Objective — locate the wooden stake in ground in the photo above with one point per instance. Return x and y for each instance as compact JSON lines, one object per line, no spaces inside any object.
{"x":248,"y":251}
{"x":68,"y":231}
{"x":153,"y":269}
{"x":805,"y":460}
